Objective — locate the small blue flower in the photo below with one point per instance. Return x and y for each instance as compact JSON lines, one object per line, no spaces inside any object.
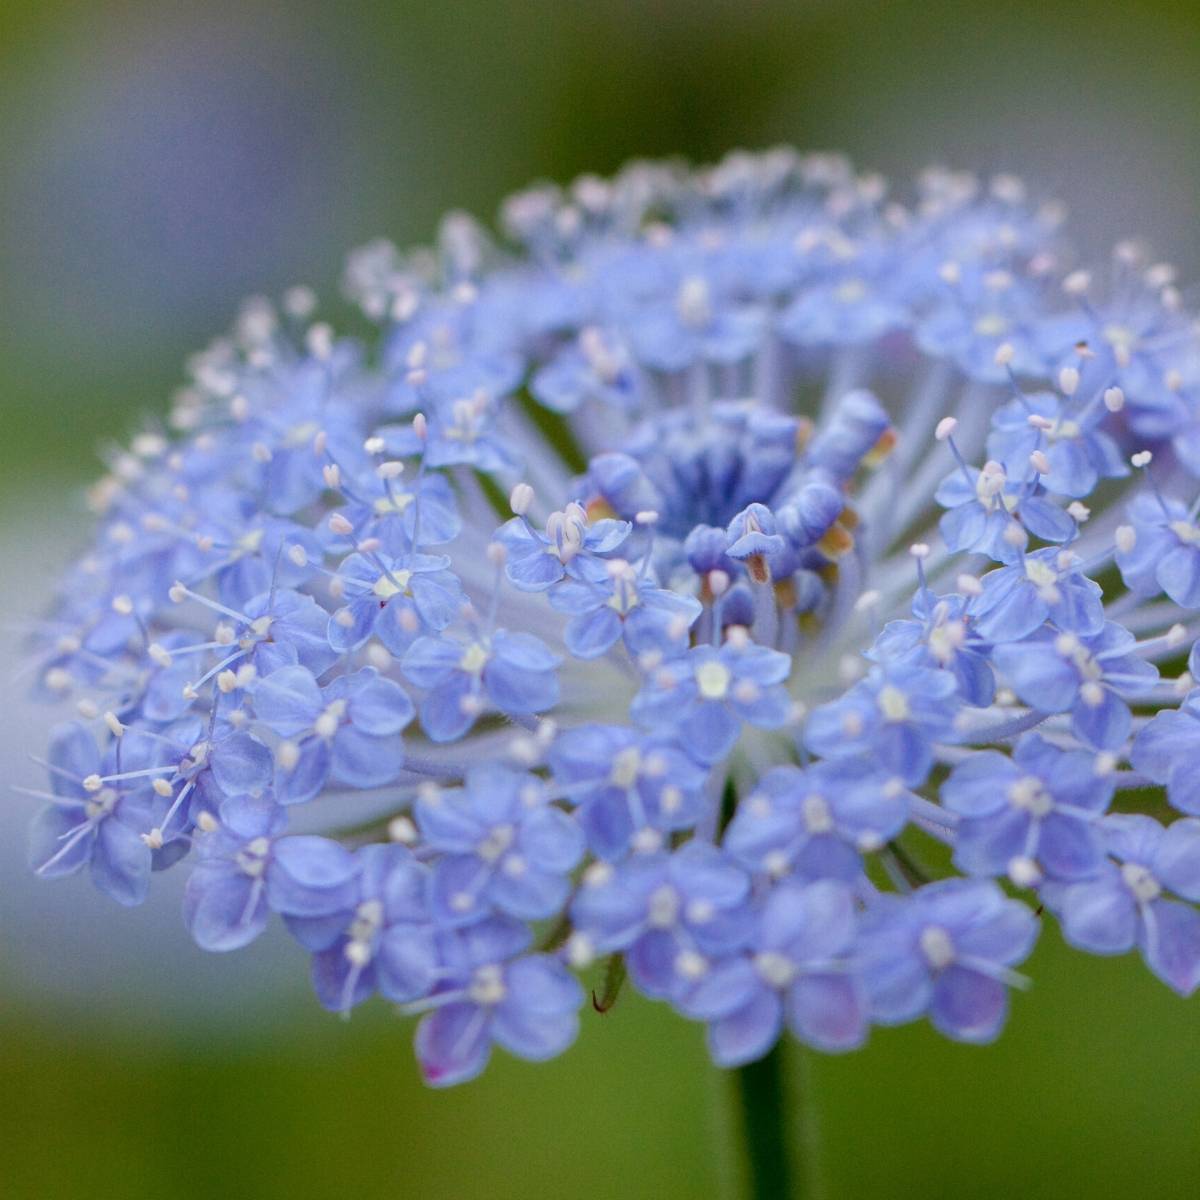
{"x":990,"y":513}
{"x":1047,"y":585}
{"x":630,"y":789}
{"x":246,"y":870}
{"x":92,"y":821}
{"x":850,"y":299}
{"x":816,"y":822}
{"x":596,"y":367}
{"x":462,"y":431}
{"x":1032,"y":815}
{"x":393,"y":599}
{"x":980,"y":309}
{"x":799,"y":968}
{"x":945,"y":636}
{"x":349,"y":731}
{"x":946,"y":951}
{"x":1167,"y":750}
{"x":515,"y":672}
{"x":1129,"y":902}
{"x":706,"y":694}
{"x":668,"y":913}
{"x":696,"y":324}
{"x":1159,"y":551}
{"x":892,"y":717}
{"x":1092,"y":678}
{"x":626,"y":605}
{"x":487,"y":994}
{"x":382,"y":941}
{"x":571,"y":548}
{"x":284,"y":628}
{"x":503,"y":847}
{"x":387,"y":509}
{"x":1079,"y":452}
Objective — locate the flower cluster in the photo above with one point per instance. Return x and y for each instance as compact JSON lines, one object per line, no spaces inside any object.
{"x":657,"y":590}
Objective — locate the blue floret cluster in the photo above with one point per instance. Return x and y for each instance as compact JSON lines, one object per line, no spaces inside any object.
{"x":751,"y":582}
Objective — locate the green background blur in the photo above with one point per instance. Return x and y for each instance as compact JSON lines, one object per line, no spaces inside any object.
{"x":157,"y":162}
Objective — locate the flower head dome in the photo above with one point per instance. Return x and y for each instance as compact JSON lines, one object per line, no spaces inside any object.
{"x":659,"y":580}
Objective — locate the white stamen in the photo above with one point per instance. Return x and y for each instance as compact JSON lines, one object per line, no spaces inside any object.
{"x":520,"y":499}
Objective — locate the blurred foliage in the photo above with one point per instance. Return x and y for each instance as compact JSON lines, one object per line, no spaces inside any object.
{"x":157,"y":162}
{"x":1091,"y":1092}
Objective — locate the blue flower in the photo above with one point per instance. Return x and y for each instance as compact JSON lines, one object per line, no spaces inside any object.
{"x":852,"y":297}
{"x":382,"y":941}
{"x":630,"y":789}
{"x":515,"y":672}
{"x":246,"y":870}
{"x":736,"y":659}
{"x":799,"y":968}
{"x":669,"y":913}
{"x":979,"y":310}
{"x":892,"y":717}
{"x":991,"y":513}
{"x":349,"y":731}
{"x":487,"y":994}
{"x":692,"y":323}
{"x":1159,"y":551}
{"x":706,"y":694}
{"x":596,"y":367}
{"x":571,"y":548}
{"x":503,"y":848}
{"x":1167,"y":749}
{"x":816,"y":822}
{"x":946,"y":951}
{"x":625,"y":606}
{"x":1032,"y":815}
{"x":1128,"y":903}
{"x":386,"y":508}
{"x":945,"y":636}
{"x":462,"y":431}
{"x":285,"y":628}
{"x":395,"y":600}
{"x":1078,"y":451}
{"x":1092,"y":678}
{"x":92,"y":821}
{"x":1047,"y":585}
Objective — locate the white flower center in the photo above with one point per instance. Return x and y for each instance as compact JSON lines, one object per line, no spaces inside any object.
{"x":1029,"y":794}
{"x":625,"y":767}
{"x":817,"y":817}
{"x":937,"y":947}
{"x":1141,"y":882}
{"x":474,"y":658}
{"x":693,"y":302}
{"x":663,"y":910}
{"x":775,"y":969}
{"x":713,"y":679}
{"x":392,"y":584}
{"x":487,"y":985}
{"x":893,"y":703}
{"x":496,"y":842}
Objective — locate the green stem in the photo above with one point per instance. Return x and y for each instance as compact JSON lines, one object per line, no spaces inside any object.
{"x":770,"y":1130}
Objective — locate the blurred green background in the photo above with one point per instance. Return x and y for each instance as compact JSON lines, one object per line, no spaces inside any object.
{"x":160,"y":160}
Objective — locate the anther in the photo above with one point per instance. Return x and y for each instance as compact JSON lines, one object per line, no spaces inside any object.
{"x":521,"y":498}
